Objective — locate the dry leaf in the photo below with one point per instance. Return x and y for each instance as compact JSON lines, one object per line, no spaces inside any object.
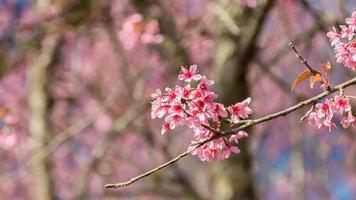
{"x":301,"y":77}
{"x":315,"y":78}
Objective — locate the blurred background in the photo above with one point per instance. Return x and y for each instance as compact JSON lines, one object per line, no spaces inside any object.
{"x":76,"y":78}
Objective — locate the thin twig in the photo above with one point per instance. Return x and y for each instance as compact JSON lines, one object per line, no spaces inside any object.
{"x":303,"y":60}
{"x":136,"y":178}
{"x":351,"y":97}
{"x":307,"y":114}
{"x":250,"y":123}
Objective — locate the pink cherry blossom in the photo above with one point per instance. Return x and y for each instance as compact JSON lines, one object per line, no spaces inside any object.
{"x":174,"y":120}
{"x":235,"y":137}
{"x":351,"y":20}
{"x":198,"y":93}
{"x":220,"y":110}
{"x":205,"y":84}
{"x":185,"y":92}
{"x":229,"y":150}
{"x":346,"y":54}
{"x":334,"y":36}
{"x":159,"y":109}
{"x":190,"y":74}
{"x":348,"y":120}
{"x":344,"y":43}
{"x":341,"y":104}
{"x":172,"y":94}
{"x":157,"y":94}
{"x":165,"y":128}
{"x":324,"y":110}
{"x":177,"y":108}
{"x":215,"y":150}
{"x":347,"y":32}
{"x":314,"y":119}
{"x":240,"y":110}
{"x":322,"y":116}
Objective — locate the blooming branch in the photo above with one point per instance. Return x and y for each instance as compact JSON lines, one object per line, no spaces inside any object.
{"x":249,"y":123}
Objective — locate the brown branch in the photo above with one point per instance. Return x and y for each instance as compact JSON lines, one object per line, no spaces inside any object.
{"x":303,"y":60}
{"x":136,"y":178}
{"x":250,"y":123}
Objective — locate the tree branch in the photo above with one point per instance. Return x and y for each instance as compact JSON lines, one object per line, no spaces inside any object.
{"x":249,"y":123}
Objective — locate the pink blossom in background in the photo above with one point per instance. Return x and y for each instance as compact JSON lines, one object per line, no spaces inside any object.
{"x":5,"y":17}
{"x":247,"y":3}
{"x":135,"y":30}
{"x":7,"y":141}
{"x":103,"y":123}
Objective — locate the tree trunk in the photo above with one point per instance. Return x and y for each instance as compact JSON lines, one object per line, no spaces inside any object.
{"x":38,"y":118}
{"x":234,"y":177}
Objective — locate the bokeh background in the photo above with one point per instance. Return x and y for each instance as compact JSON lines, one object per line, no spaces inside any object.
{"x":76,"y":78}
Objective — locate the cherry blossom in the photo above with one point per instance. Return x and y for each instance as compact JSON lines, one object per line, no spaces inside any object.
{"x":348,"y":120}
{"x":165,"y":128}
{"x":324,"y":110}
{"x":347,"y":32}
{"x":185,"y":92}
{"x":314,"y":120}
{"x":334,"y":36}
{"x":341,"y":104}
{"x":196,"y":108}
{"x":235,"y":138}
{"x":323,"y":113}
{"x":344,"y":42}
{"x":351,"y":21}
{"x":220,"y":110}
{"x":205,"y":84}
{"x":174,"y":120}
{"x":189,"y":74}
{"x":240,"y":110}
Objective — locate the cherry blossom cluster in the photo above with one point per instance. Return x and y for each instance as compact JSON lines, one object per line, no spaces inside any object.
{"x":323,"y":112}
{"x":344,"y":42}
{"x":194,"y":106}
{"x":135,"y":30}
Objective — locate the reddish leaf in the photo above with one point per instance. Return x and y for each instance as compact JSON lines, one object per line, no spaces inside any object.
{"x":315,"y":78}
{"x":301,"y":77}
